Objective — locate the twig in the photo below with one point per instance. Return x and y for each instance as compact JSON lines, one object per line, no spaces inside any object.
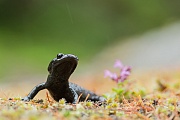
{"x":48,"y":98}
{"x":87,"y":97}
{"x":79,"y":98}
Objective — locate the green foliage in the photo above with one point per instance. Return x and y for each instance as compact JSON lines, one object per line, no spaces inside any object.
{"x":62,"y":101}
{"x":127,"y":90}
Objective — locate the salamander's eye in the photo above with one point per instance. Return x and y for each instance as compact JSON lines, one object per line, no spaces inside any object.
{"x":59,"y":55}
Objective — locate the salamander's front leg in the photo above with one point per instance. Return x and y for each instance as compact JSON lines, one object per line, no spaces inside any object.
{"x":75,"y":95}
{"x":34,"y":91}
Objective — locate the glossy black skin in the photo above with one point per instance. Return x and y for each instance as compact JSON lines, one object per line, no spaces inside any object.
{"x":60,"y":69}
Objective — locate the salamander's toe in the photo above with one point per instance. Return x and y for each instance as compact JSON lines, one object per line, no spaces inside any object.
{"x":25,"y":99}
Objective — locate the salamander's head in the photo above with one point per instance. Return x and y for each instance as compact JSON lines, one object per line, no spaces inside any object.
{"x":63,"y":66}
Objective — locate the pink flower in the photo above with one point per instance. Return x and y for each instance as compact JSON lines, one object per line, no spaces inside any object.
{"x":118,"y":64}
{"x":124,"y":72}
{"x":113,"y":76}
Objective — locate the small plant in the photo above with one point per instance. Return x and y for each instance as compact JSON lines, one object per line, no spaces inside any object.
{"x":124,"y":72}
{"x":62,"y":101}
{"x":125,"y":88}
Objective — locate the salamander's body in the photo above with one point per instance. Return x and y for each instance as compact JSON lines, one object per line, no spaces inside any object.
{"x":60,"y":69}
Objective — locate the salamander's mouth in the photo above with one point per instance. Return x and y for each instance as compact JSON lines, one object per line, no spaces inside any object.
{"x":63,"y":65}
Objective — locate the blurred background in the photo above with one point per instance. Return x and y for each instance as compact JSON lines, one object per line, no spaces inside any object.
{"x":143,"y":34}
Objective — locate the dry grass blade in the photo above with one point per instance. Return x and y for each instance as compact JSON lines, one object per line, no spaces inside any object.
{"x":87,"y":97}
{"x":48,"y":98}
{"x":79,"y":98}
